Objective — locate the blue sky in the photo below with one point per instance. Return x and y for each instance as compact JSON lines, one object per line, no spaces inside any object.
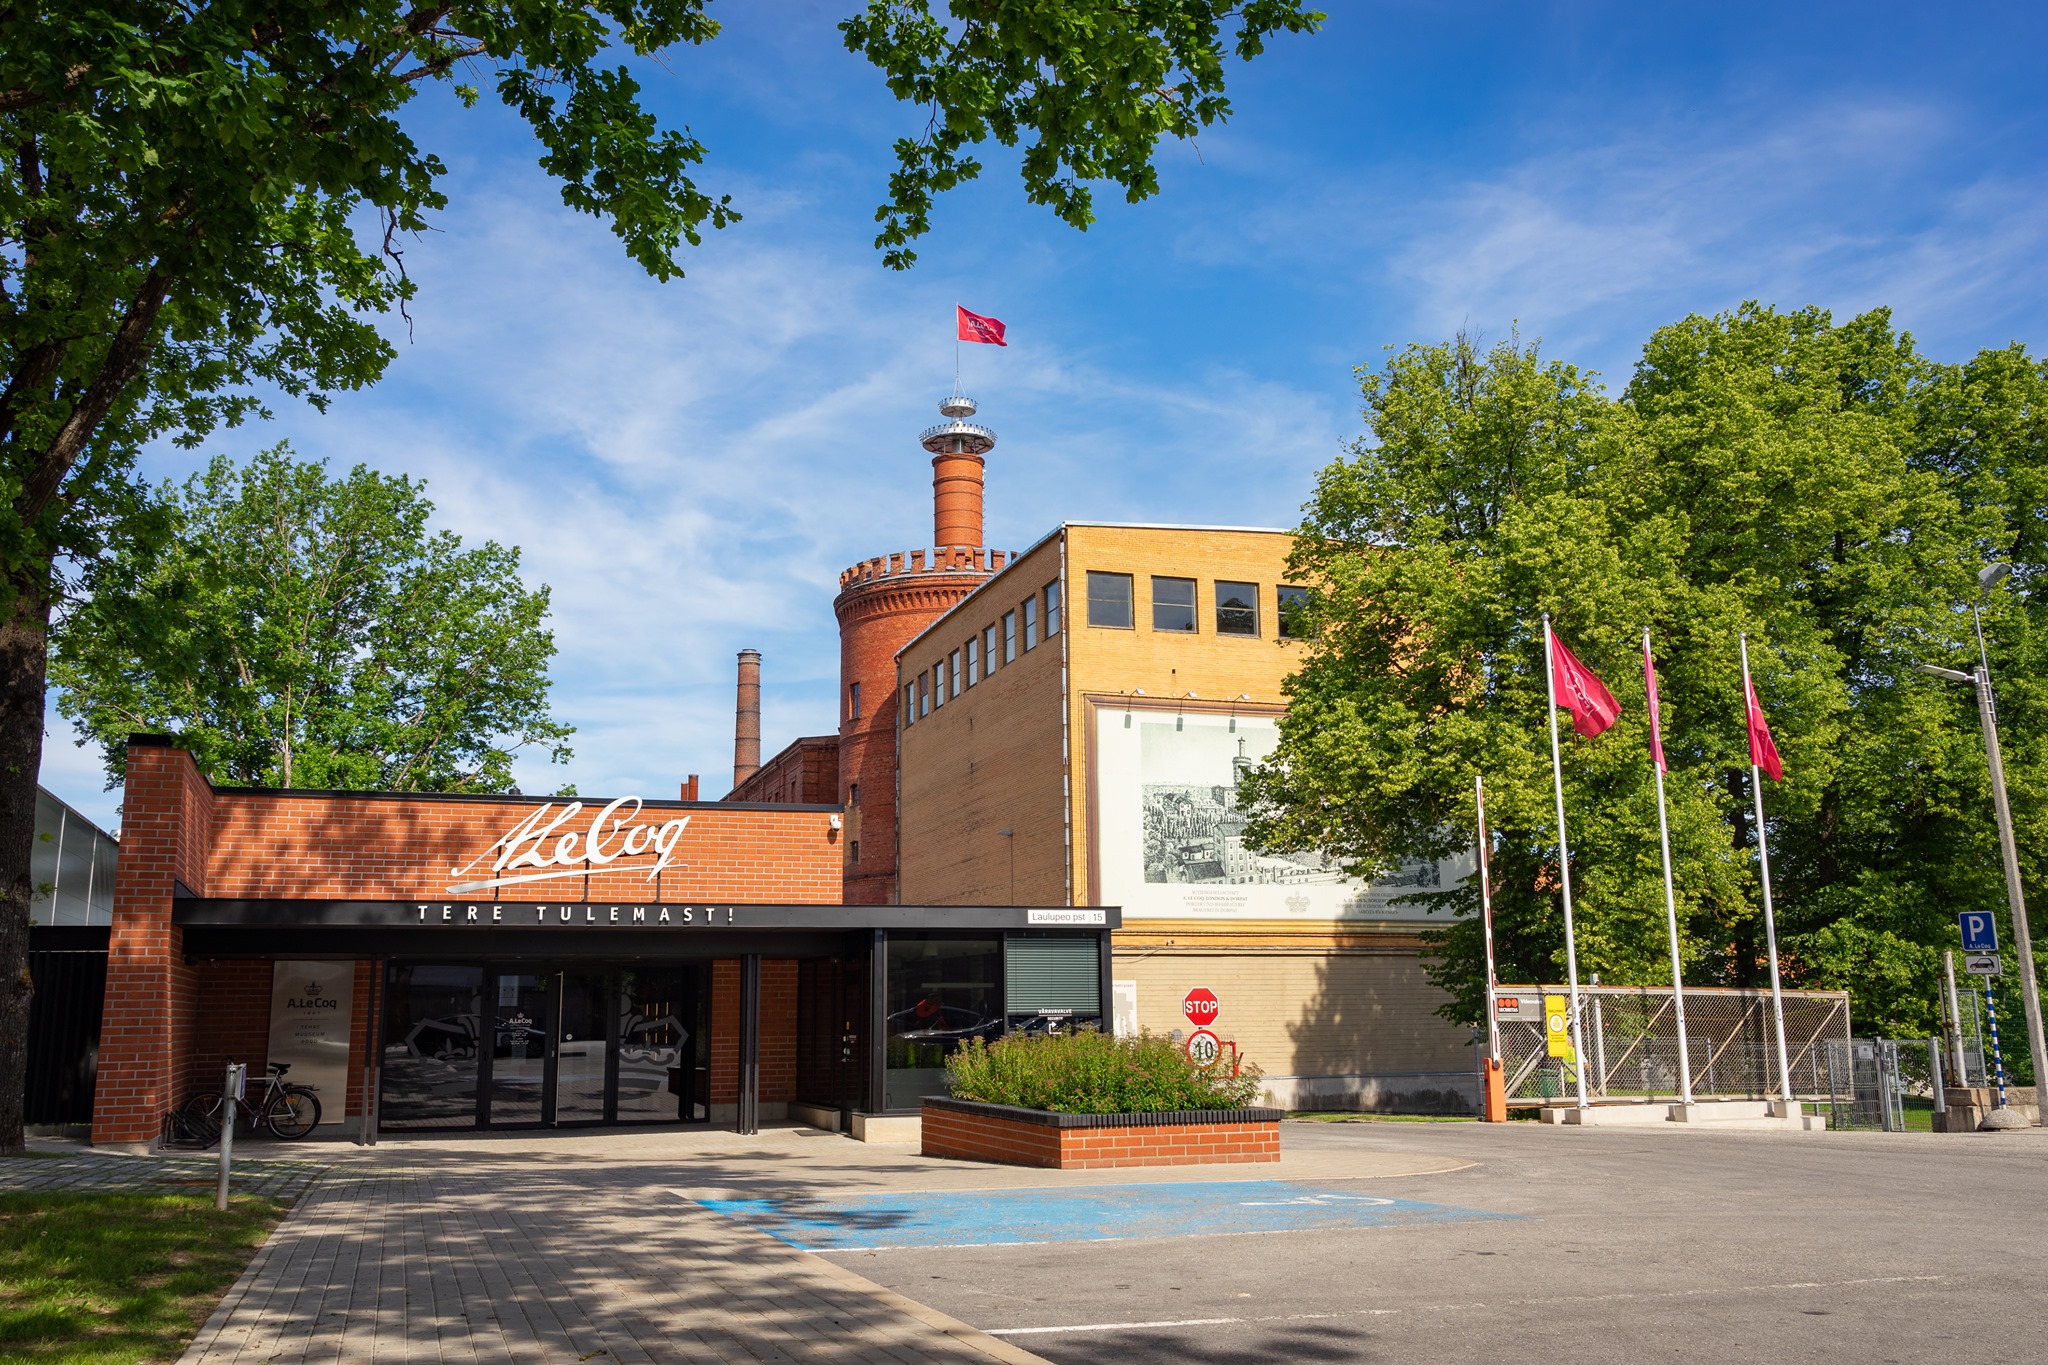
{"x":690,"y":465}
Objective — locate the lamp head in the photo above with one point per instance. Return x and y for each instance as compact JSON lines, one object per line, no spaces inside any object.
{"x":1991,"y":575}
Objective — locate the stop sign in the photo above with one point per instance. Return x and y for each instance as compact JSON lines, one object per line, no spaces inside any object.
{"x":1201,"y":1006}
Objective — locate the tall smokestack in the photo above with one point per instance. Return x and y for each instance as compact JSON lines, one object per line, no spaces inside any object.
{"x":746,"y":729}
{"x":957,"y":447}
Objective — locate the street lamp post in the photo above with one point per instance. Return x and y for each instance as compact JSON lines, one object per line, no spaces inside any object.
{"x":2023,"y":943}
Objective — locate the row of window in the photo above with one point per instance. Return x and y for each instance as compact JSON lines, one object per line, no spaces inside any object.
{"x":1175,"y":606}
{"x":995,"y":646}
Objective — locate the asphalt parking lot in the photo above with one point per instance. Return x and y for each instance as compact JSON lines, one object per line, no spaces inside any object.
{"x":1555,"y":1244}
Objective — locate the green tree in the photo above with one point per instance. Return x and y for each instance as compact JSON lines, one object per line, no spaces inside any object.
{"x":1761,"y":472}
{"x":299,"y":631}
{"x":182,"y":185}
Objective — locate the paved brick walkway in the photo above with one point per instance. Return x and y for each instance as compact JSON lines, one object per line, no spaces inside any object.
{"x":478,"y":1259}
{"x":101,"y":1171}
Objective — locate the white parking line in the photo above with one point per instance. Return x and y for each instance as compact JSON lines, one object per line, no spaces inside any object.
{"x":1432,"y":1308}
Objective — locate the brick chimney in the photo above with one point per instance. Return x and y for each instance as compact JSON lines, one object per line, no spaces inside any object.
{"x":746,"y":730}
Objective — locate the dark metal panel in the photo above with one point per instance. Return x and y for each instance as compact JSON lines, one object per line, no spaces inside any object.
{"x":750,"y":1045}
{"x":678,"y":919}
{"x":878,"y":1021}
{"x":64,"y":1032}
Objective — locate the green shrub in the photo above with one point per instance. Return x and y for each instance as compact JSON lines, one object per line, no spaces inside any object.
{"x":1093,"y":1073}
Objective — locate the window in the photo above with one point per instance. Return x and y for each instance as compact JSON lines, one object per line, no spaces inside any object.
{"x":1052,"y":609}
{"x":924,"y":695}
{"x":1031,"y":622}
{"x":1009,"y":637}
{"x":1237,"y":608}
{"x":988,"y":650}
{"x":1173,"y":604}
{"x":853,"y":795}
{"x":1297,"y":614}
{"x":953,"y":667}
{"x":853,"y":701}
{"x":938,"y":684}
{"x":938,"y":993}
{"x":973,"y":661}
{"x":1109,"y":599}
{"x":853,"y":851}
{"x":909,"y":703}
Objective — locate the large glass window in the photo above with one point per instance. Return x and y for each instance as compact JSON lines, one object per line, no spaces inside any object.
{"x":1297,"y":621}
{"x":1052,"y":610}
{"x":1237,"y":608}
{"x":432,"y":1023}
{"x":1031,"y":622}
{"x":941,"y":992}
{"x":664,"y":1048}
{"x":1173,"y":604}
{"x":1109,"y":599}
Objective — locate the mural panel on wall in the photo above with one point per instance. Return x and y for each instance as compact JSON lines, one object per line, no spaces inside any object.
{"x":1169,"y":834}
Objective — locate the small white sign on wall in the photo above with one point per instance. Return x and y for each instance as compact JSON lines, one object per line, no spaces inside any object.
{"x":1124,"y":1008}
{"x":310,"y":1011}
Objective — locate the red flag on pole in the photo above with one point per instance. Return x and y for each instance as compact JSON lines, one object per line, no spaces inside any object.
{"x":975,"y":327}
{"x":1656,"y":721}
{"x":1762,"y":751}
{"x":1592,"y":706}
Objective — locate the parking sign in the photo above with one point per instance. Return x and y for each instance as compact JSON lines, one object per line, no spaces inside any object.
{"x":1980,"y":931}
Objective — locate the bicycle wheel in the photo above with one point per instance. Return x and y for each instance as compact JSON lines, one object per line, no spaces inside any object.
{"x":291,"y":1113}
{"x":201,"y":1116}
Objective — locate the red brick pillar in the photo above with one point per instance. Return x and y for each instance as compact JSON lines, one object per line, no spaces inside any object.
{"x":146,"y":1029}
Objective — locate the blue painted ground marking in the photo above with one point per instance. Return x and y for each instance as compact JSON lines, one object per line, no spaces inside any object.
{"x":1088,"y":1214}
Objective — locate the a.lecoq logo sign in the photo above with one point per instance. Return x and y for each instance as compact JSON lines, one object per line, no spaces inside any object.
{"x":611,"y":842}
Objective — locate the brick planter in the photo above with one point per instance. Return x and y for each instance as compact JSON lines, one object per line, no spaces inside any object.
{"x":1038,"y":1137}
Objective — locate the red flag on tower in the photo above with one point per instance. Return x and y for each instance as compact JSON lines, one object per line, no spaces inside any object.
{"x":975,"y":327}
{"x":1592,"y":706}
{"x":1762,"y":751}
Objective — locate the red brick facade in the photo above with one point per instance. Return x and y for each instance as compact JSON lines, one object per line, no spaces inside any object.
{"x":988,"y":1137}
{"x":804,"y":773}
{"x":170,"y":1025}
{"x":882,"y":604}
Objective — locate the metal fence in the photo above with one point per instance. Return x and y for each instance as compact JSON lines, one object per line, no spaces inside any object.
{"x":1631,"y":1042}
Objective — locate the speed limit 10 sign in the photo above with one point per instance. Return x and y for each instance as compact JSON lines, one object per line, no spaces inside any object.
{"x":1204,"y":1048}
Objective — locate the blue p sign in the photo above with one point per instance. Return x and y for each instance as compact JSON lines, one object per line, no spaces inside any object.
{"x":1980,"y":931}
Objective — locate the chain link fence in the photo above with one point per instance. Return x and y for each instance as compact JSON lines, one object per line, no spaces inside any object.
{"x":1631,"y":1041}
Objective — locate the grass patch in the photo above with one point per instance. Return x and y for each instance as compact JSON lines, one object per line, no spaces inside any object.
{"x":118,"y":1278}
{"x":1094,"y":1073}
{"x":1360,"y":1116}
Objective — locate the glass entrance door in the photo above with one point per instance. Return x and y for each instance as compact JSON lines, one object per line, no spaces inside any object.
{"x":631,"y":1045}
{"x":523,"y":1012}
{"x":583,"y":1053}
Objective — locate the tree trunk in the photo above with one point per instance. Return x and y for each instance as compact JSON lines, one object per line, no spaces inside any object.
{"x":24,"y":641}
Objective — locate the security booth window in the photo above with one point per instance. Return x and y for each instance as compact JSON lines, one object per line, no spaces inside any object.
{"x":1052,"y":610}
{"x":940,"y":992}
{"x":1173,"y":604}
{"x":1109,"y":600}
{"x":1297,"y":613}
{"x":1237,"y":608}
{"x":1053,"y":985}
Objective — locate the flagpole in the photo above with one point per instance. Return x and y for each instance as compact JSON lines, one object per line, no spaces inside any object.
{"x":1670,"y":897}
{"x":1763,"y":853}
{"x":1564,"y":863}
{"x":1486,"y":919}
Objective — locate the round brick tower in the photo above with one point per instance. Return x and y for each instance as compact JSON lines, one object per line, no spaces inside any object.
{"x":883,"y":602}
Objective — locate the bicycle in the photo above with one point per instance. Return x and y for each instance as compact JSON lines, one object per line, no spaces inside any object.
{"x":288,"y":1111}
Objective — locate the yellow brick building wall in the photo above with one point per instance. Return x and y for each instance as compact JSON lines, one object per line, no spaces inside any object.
{"x":986,"y":761}
{"x":1317,"y":1006}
